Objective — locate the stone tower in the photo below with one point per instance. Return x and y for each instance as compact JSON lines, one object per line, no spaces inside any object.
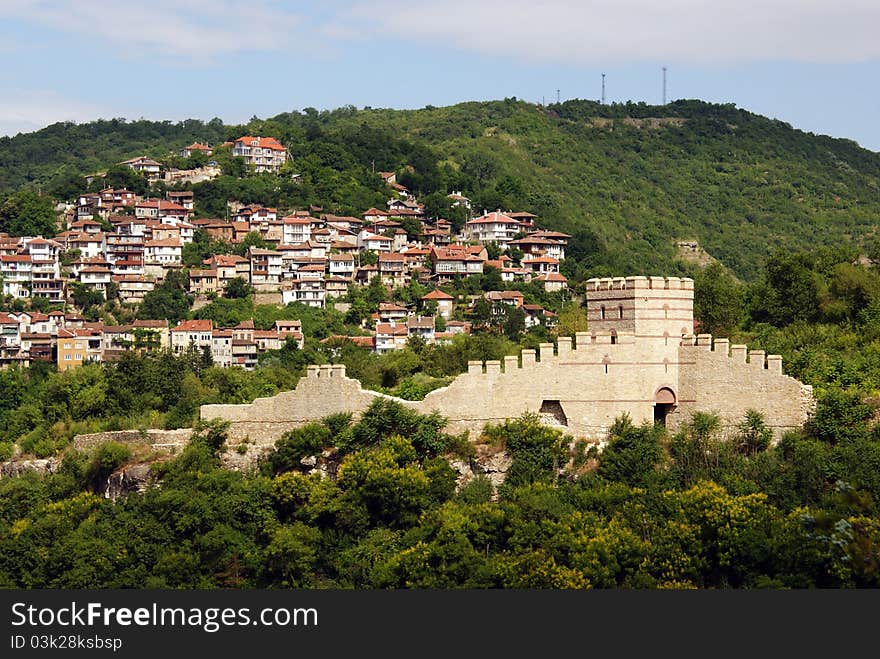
{"x":652,"y":314}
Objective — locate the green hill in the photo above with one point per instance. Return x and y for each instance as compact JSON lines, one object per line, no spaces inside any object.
{"x":628,"y":180}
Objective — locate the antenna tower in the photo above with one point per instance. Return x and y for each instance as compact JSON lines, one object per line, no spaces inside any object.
{"x":603,"y":89}
{"x":664,"y":85}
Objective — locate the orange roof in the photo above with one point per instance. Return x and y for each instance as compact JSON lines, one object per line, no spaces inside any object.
{"x":493,"y":218}
{"x":167,"y":242}
{"x":437,"y":295}
{"x":195,"y":326}
{"x":160,"y":205}
{"x":262,"y":142}
{"x":393,"y":329}
{"x":153,"y":324}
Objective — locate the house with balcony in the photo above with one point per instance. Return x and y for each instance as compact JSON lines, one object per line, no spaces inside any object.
{"x":263,"y":154}
{"x":492,"y":228}
{"x":367,"y":240}
{"x":96,"y":277}
{"x":421,"y":327}
{"x":133,"y":288}
{"x":16,"y":272}
{"x":221,"y":347}
{"x":144,"y":165}
{"x":195,"y":147}
{"x":311,"y":292}
{"x":196,"y":333}
{"x":341,"y":265}
{"x":393,"y":269}
{"x":296,"y":230}
{"x":391,"y":336}
{"x":76,"y":347}
{"x":265,"y":266}
{"x":163,"y":252}
{"x":447,"y":263}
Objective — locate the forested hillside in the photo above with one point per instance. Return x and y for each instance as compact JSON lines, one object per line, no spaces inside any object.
{"x":627,"y":180}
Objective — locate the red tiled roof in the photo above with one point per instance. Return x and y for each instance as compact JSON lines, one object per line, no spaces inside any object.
{"x":392,"y":329}
{"x":166,"y":242}
{"x":494,"y":218}
{"x":195,"y":326}
{"x":262,"y":142}
{"x":160,"y":204}
{"x":437,"y":295}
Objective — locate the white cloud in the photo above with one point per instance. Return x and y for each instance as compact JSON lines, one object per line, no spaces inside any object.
{"x":23,"y":111}
{"x":614,"y":32}
{"x":200,"y":30}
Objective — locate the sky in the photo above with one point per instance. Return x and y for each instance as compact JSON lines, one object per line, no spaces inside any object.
{"x":811,"y":63}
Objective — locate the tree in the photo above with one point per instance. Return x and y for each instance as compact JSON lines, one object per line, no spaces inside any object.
{"x":237,"y":288}
{"x":167,"y":301}
{"x":754,"y":436}
{"x":633,"y":453}
{"x":376,"y":292}
{"x":86,"y":297}
{"x":482,"y":313}
{"x":196,"y":251}
{"x":67,"y":185}
{"x":788,"y":292}
{"x":251,"y":239}
{"x":514,"y":322}
{"x":538,"y":451}
{"x":27,"y":213}
{"x":718,"y":301}
{"x":480,"y":165}
{"x":123,"y":176}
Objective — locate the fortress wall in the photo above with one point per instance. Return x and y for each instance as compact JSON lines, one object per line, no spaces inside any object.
{"x":582,"y":383}
{"x":594,"y":381}
{"x":325,"y":390}
{"x":729,"y":380}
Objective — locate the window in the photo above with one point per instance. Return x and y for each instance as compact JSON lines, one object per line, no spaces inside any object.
{"x":602,"y":313}
{"x":620,"y":311}
{"x":67,"y":357}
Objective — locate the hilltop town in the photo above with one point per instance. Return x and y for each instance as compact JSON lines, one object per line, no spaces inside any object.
{"x":517,"y":349}
{"x":115,"y":249}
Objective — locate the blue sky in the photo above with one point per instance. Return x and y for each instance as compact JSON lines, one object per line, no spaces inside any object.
{"x":812,"y":63}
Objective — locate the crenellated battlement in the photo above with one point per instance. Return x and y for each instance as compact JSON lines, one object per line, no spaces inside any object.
{"x":640,"y":357}
{"x":639,"y":283}
{"x":737,"y":353}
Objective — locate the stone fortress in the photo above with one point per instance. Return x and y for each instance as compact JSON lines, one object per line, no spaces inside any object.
{"x":640,"y":357}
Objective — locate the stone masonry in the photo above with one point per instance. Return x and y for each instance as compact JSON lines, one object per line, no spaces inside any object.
{"x":640,"y":357}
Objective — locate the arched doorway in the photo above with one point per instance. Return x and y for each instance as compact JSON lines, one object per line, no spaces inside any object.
{"x":551,"y":412}
{"x":664,"y":403}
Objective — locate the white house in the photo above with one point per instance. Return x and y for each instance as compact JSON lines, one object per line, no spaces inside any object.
{"x":165,"y":251}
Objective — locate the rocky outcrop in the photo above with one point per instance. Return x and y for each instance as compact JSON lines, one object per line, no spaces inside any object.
{"x":488,"y":462}
{"x":19,"y":467}
{"x":133,"y":478}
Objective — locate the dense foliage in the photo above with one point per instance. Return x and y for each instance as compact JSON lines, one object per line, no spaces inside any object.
{"x":627,"y":180}
{"x":658,"y":512}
